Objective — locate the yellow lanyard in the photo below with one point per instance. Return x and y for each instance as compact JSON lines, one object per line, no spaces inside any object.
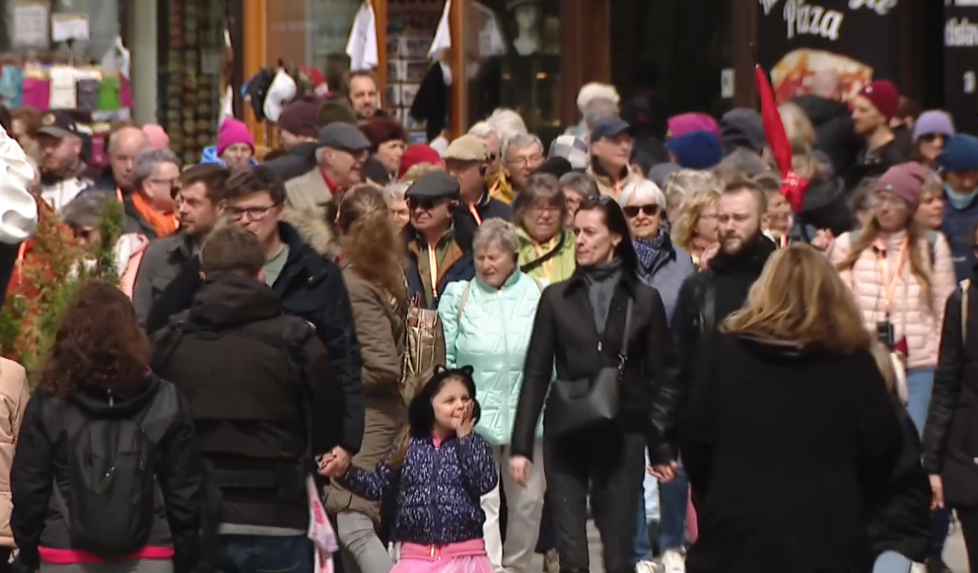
{"x":433,"y":271}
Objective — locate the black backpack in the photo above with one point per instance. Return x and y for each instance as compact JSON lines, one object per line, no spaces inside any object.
{"x":111,"y":484}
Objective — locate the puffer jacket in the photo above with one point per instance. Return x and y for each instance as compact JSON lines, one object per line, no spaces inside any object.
{"x":491,"y":333}
{"x":438,"y":488}
{"x":14,"y":394}
{"x":918,"y":319}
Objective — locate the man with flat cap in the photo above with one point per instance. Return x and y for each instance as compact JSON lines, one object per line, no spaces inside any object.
{"x":467,"y":160}
{"x":340,"y":154}
{"x":439,"y":251}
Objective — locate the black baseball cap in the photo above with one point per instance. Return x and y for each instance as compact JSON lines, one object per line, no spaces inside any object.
{"x":57,"y":124}
{"x":611,"y":127}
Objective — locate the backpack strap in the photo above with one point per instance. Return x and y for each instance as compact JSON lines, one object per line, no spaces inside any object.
{"x":965,"y":288}
{"x":465,"y":299}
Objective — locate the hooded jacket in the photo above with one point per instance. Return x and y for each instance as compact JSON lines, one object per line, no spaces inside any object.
{"x":311,"y":287}
{"x":835,"y":134}
{"x":264,"y":427}
{"x":780,"y":489}
{"x":209,"y":155}
{"x":42,"y":459}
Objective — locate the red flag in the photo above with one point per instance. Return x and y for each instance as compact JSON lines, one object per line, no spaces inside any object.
{"x":792,"y":185}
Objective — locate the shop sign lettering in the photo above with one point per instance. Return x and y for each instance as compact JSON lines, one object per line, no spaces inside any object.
{"x":881,"y":7}
{"x":802,"y":18}
{"x":960,"y":33}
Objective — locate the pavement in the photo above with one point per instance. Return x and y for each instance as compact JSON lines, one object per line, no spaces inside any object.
{"x":954,"y":553}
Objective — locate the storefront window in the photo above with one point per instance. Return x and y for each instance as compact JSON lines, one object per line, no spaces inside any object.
{"x":103,"y":26}
{"x":190,"y":73}
{"x":513,"y":50}
{"x":311,"y":33}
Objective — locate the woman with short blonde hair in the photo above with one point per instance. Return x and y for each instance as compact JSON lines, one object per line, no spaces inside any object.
{"x":683,"y":183}
{"x":799,"y":342}
{"x":695,"y":229}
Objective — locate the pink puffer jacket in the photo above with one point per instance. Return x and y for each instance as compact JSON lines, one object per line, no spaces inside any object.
{"x":918,"y":319}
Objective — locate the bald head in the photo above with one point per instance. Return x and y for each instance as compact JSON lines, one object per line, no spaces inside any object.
{"x":827,"y":84}
{"x":124,"y":145}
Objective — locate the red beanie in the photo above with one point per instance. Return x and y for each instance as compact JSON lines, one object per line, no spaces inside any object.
{"x":416,"y":154}
{"x":884,"y":96}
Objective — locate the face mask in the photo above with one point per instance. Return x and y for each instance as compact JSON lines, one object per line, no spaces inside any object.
{"x":959,"y":201}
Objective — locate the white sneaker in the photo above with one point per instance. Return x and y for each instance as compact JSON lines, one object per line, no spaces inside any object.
{"x":645,"y":567}
{"x":673,"y":562}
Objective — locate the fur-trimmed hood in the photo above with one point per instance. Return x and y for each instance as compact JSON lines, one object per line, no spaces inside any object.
{"x":314,"y":231}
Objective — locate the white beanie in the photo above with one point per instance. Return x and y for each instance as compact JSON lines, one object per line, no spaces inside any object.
{"x":595,"y":90}
{"x":18,"y":209}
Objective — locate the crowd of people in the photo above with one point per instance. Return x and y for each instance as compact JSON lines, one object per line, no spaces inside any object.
{"x":462,"y":354}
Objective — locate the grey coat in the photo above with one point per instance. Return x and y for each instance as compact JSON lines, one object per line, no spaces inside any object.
{"x":161,"y":263}
{"x":668,"y":273}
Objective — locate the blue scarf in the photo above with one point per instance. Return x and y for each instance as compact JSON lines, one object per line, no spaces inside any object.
{"x":959,"y":201}
{"x":648,"y":250}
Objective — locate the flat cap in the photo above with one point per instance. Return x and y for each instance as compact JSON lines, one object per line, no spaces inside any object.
{"x":435,"y":185}
{"x":343,"y":136}
{"x":467,"y":148}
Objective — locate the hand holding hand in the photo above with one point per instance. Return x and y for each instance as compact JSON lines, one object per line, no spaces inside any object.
{"x":664,"y":472}
{"x":335,"y":464}
{"x":520,"y":468}
{"x":937,"y":490}
{"x":465,"y":424}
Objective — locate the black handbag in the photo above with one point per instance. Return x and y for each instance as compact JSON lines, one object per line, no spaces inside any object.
{"x":581,"y":404}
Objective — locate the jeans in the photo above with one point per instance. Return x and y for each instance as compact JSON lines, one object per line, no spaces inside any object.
{"x":362,"y":549}
{"x":615,"y":463}
{"x":642,"y":547}
{"x":673,"y":501}
{"x":892,"y":562}
{"x":264,"y":554}
{"x":920,"y":385}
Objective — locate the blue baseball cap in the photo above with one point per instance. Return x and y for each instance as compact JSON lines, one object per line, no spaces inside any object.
{"x":611,"y":127}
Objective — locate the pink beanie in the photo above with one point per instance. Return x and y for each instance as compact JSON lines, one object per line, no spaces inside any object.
{"x":233,"y":131}
{"x":158,"y":139}
{"x":688,"y":122}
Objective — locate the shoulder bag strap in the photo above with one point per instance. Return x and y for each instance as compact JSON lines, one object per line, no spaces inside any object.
{"x":533,"y":265}
{"x":463,"y":300}
{"x":965,"y":287}
{"x":623,"y":355}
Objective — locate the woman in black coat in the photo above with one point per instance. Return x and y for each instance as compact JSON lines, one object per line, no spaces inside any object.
{"x":579,"y":328}
{"x":792,"y":435}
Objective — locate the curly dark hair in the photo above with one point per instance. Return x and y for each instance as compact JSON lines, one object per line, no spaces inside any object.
{"x":99,"y":343}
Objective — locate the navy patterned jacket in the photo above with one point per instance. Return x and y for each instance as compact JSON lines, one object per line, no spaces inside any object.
{"x":437,"y":488}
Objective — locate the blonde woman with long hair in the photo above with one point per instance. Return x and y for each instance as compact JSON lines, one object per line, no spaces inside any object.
{"x":800,"y":474}
{"x":901,"y":276}
{"x":695,"y":229}
{"x":372,"y":271}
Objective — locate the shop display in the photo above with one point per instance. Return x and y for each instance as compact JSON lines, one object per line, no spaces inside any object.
{"x":410,"y":29}
{"x":191,"y":75}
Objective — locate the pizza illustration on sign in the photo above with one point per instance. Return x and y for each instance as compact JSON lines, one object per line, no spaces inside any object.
{"x":792,"y":75}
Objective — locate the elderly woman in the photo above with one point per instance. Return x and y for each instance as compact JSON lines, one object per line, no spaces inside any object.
{"x":388,"y":142}
{"x":546,"y":247}
{"x":487,"y":323}
{"x":150,"y":209}
{"x":695,"y":229}
{"x":578,"y":188}
{"x":397,"y":205}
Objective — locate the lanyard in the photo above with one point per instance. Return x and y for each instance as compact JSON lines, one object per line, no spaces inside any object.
{"x":494,"y":188}
{"x":783,"y":240}
{"x":475,"y":214}
{"x":433,"y":271}
{"x":21,"y":255}
{"x":118,"y":195}
{"x":547,"y":266}
{"x":889,"y":281}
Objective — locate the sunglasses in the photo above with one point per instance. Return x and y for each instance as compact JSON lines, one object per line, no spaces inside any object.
{"x":931,"y":137}
{"x":632,"y":211}
{"x":426,"y":204}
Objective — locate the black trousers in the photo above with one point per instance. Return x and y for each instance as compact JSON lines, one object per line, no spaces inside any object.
{"x":968,"y":516}
{"x":611,"y":464}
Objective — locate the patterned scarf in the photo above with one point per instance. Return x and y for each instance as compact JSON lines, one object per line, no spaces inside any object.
{"x":648,"y":250}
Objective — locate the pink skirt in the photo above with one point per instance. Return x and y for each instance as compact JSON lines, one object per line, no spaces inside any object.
{"x":465,"y":557}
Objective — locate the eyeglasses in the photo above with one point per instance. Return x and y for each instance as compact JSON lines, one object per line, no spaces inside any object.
{"x":632,"y":210}
{"x":931,"y":137}
{"x":523,"y":161}
{"x":253,"y":213}
{"x":538,"y":210}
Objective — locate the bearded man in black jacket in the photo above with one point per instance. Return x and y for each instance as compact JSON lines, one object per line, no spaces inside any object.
{"x":707,"y":298}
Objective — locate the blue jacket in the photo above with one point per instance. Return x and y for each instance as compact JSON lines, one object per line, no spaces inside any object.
{"x":959,"y":228}
{"x":491,"y":334}
{"x":210,"y":156}
{"x":437,"y":488}
{"x":670,"y":269}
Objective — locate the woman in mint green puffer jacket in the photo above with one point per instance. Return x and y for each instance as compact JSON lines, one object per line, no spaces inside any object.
{"x":487,"y":323}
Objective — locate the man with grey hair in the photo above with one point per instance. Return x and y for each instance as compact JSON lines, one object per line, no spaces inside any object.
{"x":341,"y":153}
{"x":123,"y":146}
{"x":522,"y":155}
{"x":486,"y":133}
{"x":155,"y":176}
{"x":835,"y":134}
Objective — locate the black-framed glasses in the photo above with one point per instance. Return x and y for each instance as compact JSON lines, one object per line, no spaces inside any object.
{"x":253,"y":213}
{"x":632,"y":211}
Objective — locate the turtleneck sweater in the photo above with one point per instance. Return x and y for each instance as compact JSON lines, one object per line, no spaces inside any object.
{"x":601,"y":282}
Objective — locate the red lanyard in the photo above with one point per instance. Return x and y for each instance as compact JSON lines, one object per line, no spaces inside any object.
{"x":886,"y":279}
{"x":475,"y":214}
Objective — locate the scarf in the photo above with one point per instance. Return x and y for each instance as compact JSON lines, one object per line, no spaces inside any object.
{"x":648,"y":250}
{"x":601,"y":281}
{"x":162,"y":224}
